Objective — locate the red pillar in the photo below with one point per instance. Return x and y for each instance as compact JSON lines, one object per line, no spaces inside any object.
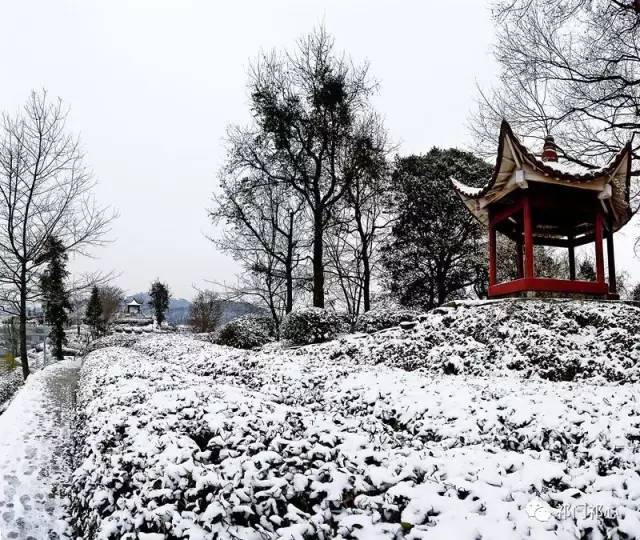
{"x":492,"y":253}
{"x":528,"y":239}
{"x":611,"y":261}
{"x":572,"y":257}
{"x":598,"y":241}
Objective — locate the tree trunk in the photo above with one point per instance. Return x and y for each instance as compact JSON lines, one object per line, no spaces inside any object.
{"x":364,"y":253}
{"x":24,"y":358}
{"x":288,"y":267}
{"x":59,"y":353}
{"x":441,"y":286}
{"x":366,"y":277}
{"x":318,"y":266}
{"x":289,"y":284}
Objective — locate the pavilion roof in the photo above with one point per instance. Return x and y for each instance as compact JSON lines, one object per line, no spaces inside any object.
{"x":513,"y":155}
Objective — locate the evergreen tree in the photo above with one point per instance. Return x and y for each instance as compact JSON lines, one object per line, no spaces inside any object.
{"x":55,"y":296}
{"x":159,"y":300}
{"x":436,"y":250}
{"x":94,"y":316}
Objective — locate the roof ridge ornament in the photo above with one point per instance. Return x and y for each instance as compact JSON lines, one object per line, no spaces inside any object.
{"x":549,"y":149}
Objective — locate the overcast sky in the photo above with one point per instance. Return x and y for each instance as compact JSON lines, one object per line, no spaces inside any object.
{"x":152,"y":86}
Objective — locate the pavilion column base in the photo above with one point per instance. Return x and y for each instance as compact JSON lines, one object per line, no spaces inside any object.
{"x":533,"y":287}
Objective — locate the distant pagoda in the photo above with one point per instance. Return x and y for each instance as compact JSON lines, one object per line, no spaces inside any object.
{"x":540,"y":200}
{"x":134,"y":307}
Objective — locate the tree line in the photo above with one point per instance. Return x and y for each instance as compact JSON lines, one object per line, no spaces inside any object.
{"x":317,"y":209}
{"x":46,"y":210}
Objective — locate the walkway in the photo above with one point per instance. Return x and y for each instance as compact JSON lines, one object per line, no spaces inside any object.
{"x":35,"y":435}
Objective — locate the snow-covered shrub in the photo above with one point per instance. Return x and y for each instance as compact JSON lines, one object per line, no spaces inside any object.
{"x":247,"y":332}
{"x":112,"y":340}
{"x":383,"y":317}
{"x":132,"y":321}
{"x":558,"y":340}
{"x":10,"y":380}
{"x":312,"y":325}
{"x":183,"y":439}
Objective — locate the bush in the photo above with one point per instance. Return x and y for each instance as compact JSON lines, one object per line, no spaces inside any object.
{"x":112,"y":340}
{"x":247,"y":332}
{"x":383,"y":317}
{"x":312,"y":325}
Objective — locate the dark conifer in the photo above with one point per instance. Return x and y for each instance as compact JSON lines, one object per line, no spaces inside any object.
{"x":436,"y":248}
{"x":55,"y":295}
{"x":94,"y":317}
{"x":160,"y":296}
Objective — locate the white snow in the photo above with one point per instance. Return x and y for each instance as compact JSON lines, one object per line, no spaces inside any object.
{"x":34,"y":440}
{"x":183,"y":438}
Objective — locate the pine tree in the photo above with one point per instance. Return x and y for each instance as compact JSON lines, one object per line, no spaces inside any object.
{"x":55,"y":296}
{"x":159,"y":300}
{"x":94,"y":316}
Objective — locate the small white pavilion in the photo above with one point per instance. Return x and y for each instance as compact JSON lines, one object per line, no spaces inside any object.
{"x":134,"y":307}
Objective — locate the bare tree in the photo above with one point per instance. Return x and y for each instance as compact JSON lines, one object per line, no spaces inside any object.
{"x":206,"y":311}
{"x":46,"y":191}
{"x":307,"y":106}
{"x":345,"y":280}
{"x":567,"y":66}
{"x":362,"y":217}
{"x":111,"y":299}
{"x":264,"y":230}
{"x":259,"y":283}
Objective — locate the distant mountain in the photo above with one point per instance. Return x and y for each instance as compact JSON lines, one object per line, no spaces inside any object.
{"x":233,"y":310}
{"x":178,"y":311}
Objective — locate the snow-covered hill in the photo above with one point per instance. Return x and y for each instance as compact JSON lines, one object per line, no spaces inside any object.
{"x":185,"y":439}
{"x":552,"y":339}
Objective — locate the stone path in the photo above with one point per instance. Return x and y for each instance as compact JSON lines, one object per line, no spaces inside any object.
{"x":35,"y":435}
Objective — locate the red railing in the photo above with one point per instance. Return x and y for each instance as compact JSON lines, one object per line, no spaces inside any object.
{"x":548,"y":285}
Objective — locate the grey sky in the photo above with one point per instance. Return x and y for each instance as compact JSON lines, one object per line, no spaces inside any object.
{"x":153,"y":84}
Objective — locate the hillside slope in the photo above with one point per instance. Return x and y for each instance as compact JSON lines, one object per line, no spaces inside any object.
{"x":552,"y":339}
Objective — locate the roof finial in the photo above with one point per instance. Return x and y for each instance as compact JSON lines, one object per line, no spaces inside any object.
{"x":549,"y":150}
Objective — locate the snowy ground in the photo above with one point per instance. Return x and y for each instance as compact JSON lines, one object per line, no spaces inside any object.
{"x":34,"y":461}
{"x":185,"y":439}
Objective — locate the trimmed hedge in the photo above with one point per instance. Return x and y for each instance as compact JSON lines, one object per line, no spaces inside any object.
{"x":312,"y":325}
{"x":384,"y":317}
{"x":247,"y":332}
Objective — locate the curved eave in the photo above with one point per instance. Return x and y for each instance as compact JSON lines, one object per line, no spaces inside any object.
{"x":547,"y":168}
{"x":512,"y":154}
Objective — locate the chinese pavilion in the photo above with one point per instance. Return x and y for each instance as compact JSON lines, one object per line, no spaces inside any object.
{"x":540,"y":200}
{"x":133,"y":307}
